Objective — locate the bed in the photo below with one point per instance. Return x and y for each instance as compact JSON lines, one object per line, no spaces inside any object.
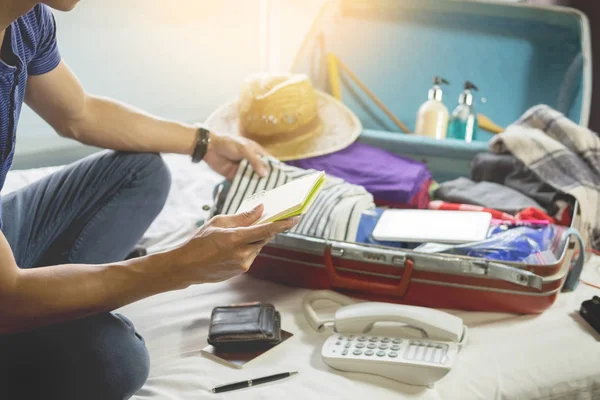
{"x":550,"y":356}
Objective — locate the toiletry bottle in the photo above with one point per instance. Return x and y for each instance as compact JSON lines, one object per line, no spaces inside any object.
{"x":463,"y":123}
{"x":432,"y":117}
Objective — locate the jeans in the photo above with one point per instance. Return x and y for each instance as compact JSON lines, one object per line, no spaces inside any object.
{"x":93,"y":211}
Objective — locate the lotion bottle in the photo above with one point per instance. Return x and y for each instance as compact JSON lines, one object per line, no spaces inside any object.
{"x":432,"y":117}
{"x":463,"y":123}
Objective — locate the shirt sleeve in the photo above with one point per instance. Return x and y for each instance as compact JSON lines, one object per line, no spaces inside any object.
{"x":47,"y":56}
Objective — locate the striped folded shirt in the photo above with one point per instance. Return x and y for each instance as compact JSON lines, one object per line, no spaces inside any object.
{"x":335,"y":214}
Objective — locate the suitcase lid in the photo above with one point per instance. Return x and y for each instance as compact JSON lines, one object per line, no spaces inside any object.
{"x":518,"y":55}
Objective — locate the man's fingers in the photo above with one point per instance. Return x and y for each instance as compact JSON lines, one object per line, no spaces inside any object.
{"x":260,"y":150}
{"x":243,"y":219}
{"x":255,"y":161}
{"x":265,"y":231}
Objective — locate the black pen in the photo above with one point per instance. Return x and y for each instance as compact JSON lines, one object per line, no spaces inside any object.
{"x":252,"y":382}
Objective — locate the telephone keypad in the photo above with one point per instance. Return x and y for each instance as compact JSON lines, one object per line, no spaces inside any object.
{"x":390,"y":348}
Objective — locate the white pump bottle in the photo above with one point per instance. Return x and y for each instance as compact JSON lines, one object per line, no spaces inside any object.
{"x":432,"y":117}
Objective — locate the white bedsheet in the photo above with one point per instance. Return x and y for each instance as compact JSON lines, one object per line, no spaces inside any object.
{"x":550,"y":356}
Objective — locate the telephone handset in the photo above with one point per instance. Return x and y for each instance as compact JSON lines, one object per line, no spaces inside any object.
{"x":414,"y":361}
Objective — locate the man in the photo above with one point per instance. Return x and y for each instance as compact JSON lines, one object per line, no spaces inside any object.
{"x":63,"y":238}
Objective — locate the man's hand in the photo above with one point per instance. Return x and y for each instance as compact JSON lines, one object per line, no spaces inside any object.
{"x":225,"y":247}
{"x":225,"y":153}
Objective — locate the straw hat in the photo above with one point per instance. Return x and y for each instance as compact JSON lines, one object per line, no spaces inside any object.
{"x":290,"y":119}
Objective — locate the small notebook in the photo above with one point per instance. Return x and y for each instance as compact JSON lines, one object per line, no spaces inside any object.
{"x":286,"y":201}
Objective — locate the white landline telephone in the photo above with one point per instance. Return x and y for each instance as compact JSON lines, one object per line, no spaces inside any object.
{"x":415,"y":361}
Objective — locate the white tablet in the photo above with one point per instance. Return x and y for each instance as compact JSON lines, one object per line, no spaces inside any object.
{"x":439,"y":226}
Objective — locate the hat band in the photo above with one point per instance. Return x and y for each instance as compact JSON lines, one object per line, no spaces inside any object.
{"x":279,"y":137}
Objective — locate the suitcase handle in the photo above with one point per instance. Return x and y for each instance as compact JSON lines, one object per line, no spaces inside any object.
{"x":387,"y":289}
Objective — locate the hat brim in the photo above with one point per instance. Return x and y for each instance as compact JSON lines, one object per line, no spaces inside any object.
{"x":340,"y":128}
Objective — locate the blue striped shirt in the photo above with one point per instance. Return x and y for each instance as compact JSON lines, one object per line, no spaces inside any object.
{"x":29,"y":48}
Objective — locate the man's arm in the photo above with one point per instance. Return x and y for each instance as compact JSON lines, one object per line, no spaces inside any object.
{"x":30,"y":298}
{"x":59,"y":98}
{"x":222,"y":248}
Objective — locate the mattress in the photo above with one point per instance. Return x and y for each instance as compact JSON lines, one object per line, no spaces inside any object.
{"x":554,"y":355}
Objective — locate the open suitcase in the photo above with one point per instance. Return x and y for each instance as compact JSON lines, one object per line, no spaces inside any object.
{"x":519,"y":56}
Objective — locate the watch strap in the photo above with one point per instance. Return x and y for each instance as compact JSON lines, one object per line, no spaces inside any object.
{"x":202,"y":141}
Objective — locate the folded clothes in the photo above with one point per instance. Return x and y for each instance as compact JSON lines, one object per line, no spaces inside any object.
{"x":391,"y":179}
{"x":485,"y":194}
{"x":563,"y":154}
{"x":492,"y":167}
{"x":505,"y":169}
{"x":335,"y":214}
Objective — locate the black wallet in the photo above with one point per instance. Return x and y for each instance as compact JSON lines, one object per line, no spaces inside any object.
{"x":244,"y":327}
{"x":590,"y":311}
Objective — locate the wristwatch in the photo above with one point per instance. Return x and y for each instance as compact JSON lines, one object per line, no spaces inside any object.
{"x":202,"y":141}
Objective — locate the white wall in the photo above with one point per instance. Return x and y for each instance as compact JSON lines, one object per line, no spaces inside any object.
{"x":290,"y":21}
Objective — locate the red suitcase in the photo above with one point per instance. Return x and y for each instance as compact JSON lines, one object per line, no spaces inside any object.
{"x":440,"y":281}
{"x":379,"y":37}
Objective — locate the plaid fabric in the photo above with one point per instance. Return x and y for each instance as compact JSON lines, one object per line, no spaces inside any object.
{"x":561,"y":153}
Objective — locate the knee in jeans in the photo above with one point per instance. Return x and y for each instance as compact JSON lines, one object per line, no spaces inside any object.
{"x":131,"y":376}
{"x":94,"y":358}
{"x":154,"y":166}
{"x":124,"y":368}
{"x":154,"y":173}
